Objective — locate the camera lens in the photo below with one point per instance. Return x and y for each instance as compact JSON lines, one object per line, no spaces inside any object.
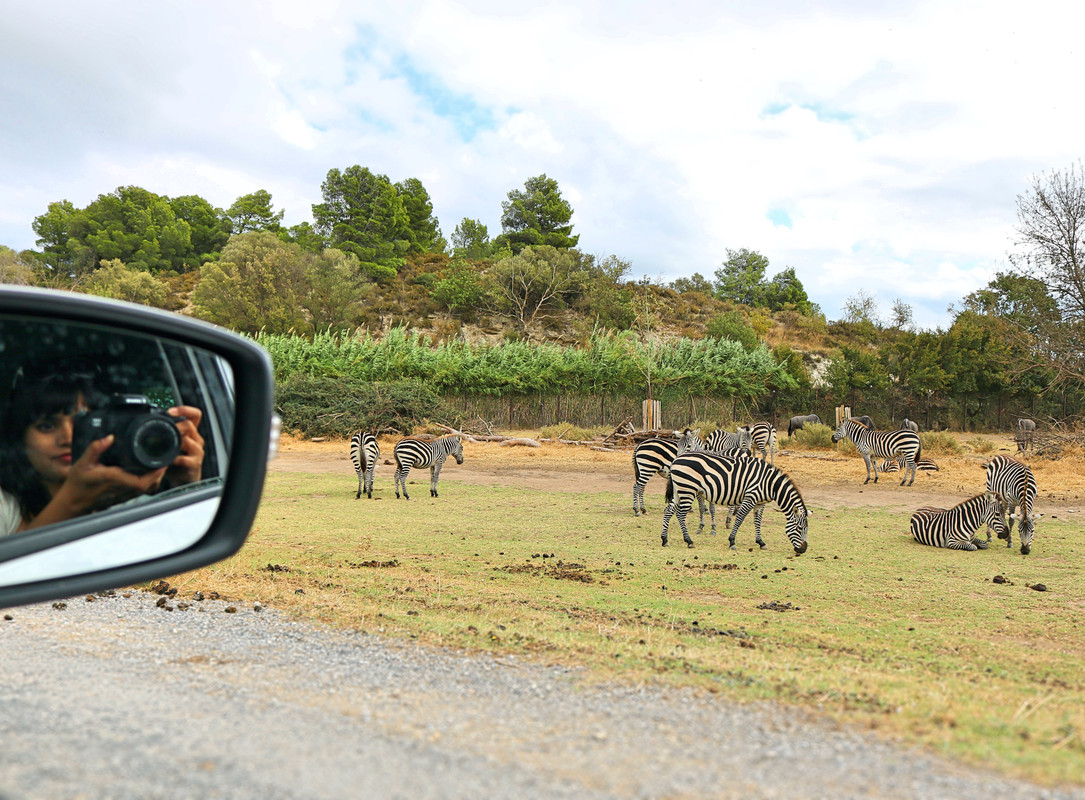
{"x":156,"y":443}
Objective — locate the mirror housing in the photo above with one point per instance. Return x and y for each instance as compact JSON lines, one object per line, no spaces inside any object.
{"x":225,"y":511}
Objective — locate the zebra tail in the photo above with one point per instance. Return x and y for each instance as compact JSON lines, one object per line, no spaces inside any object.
{"x":670,"y":489}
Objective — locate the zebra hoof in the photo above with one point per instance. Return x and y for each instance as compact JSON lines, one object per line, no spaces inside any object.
{"x":689,"y":545}
{"x":734,"y":548}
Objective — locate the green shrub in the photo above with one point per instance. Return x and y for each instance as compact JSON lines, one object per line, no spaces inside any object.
{"x":339,"y":406}
{"x":980,"y":445}
{"x":939,"y":443}
{"x":813,"y":437}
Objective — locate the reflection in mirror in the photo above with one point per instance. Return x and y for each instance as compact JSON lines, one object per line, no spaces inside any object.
{"x":101,"y":428}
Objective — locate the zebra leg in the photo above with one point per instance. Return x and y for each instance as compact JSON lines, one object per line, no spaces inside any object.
{"x":757,"y":526}
{"x":700,"y":504}
{"x":401,"y":477}
{"x":359,"y":494}
{"x":434,"y":473}
{"x":683,"y":509}
{"x":668,"y":512}
{"x":869,"y":466}
{"x":369,"y":483}
{"x":638,"y":499}
{"x":740,"y":514}
{"x":912,"y":466}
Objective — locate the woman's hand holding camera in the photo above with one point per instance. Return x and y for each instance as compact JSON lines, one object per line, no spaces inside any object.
{"x":187,"y":467}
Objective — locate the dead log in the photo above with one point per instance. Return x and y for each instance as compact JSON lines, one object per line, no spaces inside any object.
{"x":523,"y":442}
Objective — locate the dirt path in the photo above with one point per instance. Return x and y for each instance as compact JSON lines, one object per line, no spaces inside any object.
{"x":827,"y":480}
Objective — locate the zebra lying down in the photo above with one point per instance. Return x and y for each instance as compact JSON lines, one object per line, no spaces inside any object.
{"x":956,"y":527}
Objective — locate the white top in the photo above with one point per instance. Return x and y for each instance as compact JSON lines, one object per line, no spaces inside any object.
{"x":10,"y":515}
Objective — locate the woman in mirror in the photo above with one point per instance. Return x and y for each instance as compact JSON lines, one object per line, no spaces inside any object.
{"x":40,"y":484}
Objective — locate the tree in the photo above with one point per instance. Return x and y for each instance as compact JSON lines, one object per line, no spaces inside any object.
{"x":531,"y":284}
{"x":460,"y":289}
{"x":1051,"y":233}
{"x":861,"y":308}
{"x":471,"y":240}
{"x":252,"y":212}
{"x":1017,"y":299}
{"x":135,"y":226}
{"x":114,"y":279}
{"x":332,"y":286}
{"x":210,"y":230}
{"x":732,"y":325}
{"x":423,"y":230}
{"x":305,"y":235}
{"x":695,"y":283}
{"x":257,"y":284}
{"x":14,"y":269}
{"x":64,"y":257}
{"x":785,"y":291}
{"x":742,"y":276}
{"x":901,"y":316}
{"x":539,"y":215}
{"x":363,"y":214}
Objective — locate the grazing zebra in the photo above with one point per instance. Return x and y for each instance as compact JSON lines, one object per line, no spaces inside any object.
{"x":747,"y":483}
{"x":1016,"y":485}
{"x":654,"y":456}
{"x":921,"y":464}
{"x":417,"y":453}
{"x":764,"y":440}
{"x":720,"y":441}
{"x":364,"y":452}
{"x":881,"y":444}
{"x":908,"y":425}
{"x":956,"y":527}
{"x":797,"y":423}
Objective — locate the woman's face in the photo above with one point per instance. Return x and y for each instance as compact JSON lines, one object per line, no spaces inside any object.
{"x":49,"y":446}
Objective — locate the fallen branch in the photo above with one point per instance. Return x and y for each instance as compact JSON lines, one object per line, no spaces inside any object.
{"x":466,"y":436}
{"x":520,"y":443}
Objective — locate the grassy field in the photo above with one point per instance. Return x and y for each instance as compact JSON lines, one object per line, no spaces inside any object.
{"x":960,"y":652}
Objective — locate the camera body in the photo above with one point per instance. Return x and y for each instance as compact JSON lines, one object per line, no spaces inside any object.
{"x":145,"y":436}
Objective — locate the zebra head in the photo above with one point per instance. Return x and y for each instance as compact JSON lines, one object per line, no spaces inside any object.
{"x":841,"y":431}
{"x":455,"y":449}
{"x":796,"y":530}
{"x":690,"y":440}
{"x":1026,"y":528}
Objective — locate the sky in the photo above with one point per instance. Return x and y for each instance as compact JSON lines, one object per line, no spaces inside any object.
{"x":872,"y":146}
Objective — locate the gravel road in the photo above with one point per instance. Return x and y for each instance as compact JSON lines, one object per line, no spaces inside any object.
{"x":120,"y":698}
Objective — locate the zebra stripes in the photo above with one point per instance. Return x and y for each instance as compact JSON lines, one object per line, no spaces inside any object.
{"x":1016,"y":485}
{"x":956,"y":527}
{"x":410,"y":453}
{"x":721,"y":441}
{"x":921,"y":464}
{"x":746,"y":483}
{"x":904,"y":445}
{"x":364,"y":452}
{"x":654,"y":456}
{"x":763,"y":435}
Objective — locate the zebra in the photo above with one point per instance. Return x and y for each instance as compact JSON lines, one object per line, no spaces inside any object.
{"x":654,"y":456}
{"x":763,"y":435}
{"x":748,"y":483}
{"x":364,"y":452}
{"x":418,"y":453}
{"x":1016,"y":485}
{"x":956,"y":527}
{"x":921,"y":464}
{"x":881,"y":444}
{"x":797,"y":423}
{"x":720,"y":441}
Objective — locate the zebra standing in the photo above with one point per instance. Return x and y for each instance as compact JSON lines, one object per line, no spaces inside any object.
{"x":720,"y":441}
{"x":956,"y":527}
{"x":881,"y":444}
{"x":364,"y":452}
{"x":747,"y":483}
{"x":763,"y":435}
{"x":418,"y":453}
{"x":1016,"y":485}
{"x":654,"y":456}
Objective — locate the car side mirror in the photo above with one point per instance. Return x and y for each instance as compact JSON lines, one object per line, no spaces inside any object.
{"x":152,"y":360}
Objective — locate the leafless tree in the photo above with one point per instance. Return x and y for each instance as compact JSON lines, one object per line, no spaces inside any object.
{"x":1051,"y":235}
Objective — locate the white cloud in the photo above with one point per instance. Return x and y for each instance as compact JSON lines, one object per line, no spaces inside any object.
{"x":895,"y":137}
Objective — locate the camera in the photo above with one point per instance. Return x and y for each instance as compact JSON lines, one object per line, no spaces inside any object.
{"x":145,"y":436}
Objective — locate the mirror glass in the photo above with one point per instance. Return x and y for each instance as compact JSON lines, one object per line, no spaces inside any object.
{"x":113,"y":446}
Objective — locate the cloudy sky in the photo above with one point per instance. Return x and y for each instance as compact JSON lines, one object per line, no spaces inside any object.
{"x":871,"y":145}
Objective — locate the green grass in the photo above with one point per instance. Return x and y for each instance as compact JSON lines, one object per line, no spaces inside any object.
{"x":916,"y":642}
